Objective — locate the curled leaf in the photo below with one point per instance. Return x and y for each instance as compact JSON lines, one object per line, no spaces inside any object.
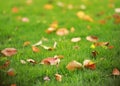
{"x":35,"y":49}
{"x":101,"y":43}
{"x":62,"y":32}
{"x":23,"y":61}
{"x":46,"y":78}
{"x":50,"y":61}
{"x":58,"y":77}
{"x":38,"y":43}
{"x":31,"y":61}
{"x":116,"y":72}
{"x":11,"y":72}
{"x":92,"y":38}
{"x":74,"y":65}
{"x":26,"y":43}
{"x":89,"y":64}
{"x":77,"y":39}
{"x":9,"y":51}
{"x":50,"y":30}
{"x":94,"y":53}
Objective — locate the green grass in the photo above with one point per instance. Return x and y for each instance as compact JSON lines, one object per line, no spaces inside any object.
{"x":14,"y":33}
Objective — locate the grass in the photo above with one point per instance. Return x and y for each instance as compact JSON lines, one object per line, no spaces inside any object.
{"x":14,"y":33}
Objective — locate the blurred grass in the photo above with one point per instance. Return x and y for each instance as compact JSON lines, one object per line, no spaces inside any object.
{"x":14,"y":33}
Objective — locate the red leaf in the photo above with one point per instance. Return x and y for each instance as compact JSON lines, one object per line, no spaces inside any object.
{"x":9,"y":51}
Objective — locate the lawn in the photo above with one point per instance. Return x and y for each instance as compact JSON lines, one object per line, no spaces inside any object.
{"x":24,"y":21}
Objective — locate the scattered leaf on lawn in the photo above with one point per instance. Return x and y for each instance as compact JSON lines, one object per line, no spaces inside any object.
{"x":101,"y":43}
{"x":116,"y":72}
{"x":35,"y":49}
{"x":5,"y":65}
{"x":9,"y":51}
{"x":92,"y":38}
{"x":28,"y":2}
{"x":83,"y":16}
{"x":15,"y":10}
{"x":74,"y":65}
{"x":11,"y":72}
{"x":70,"y":6}
{"x":62,"y":32}
{"x":26,"y":43}
{"x":13,"y":85}
{"x":116,"y":18}
{"x":111,"y":47}
{"x":102,"y":21}
{"x":47,"y":48}
{"x":89,"y":64}
{"x":59,"y":56}
{"x":38,"y":43}
{"x":94,"y":53}
{"x":93,"y":46}
{"x":50,"y":30}
{"x":46,"y":78}
{"x":48,"y":6}
{"x":77,"y":39}
{"x":117,"y":10}
{"x":25,"y":19}
{"x":82,"y":7}
{"x":54,"y":24}
{"x":50,"y":61}
{"x":58,"y":77}
{"x":60,"y":4}
{"x":72,"y":29}
{"x":23,"y":61}
{"x":31,"y":61}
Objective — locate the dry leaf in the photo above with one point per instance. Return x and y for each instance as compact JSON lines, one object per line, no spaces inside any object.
{"x":58,"y":77}
{"x":38,"y":43}
{"x":92,"y":38}
{"x":23,"y":61}
{"x":82,"y":7}
{"x":70,"y":6}
{"x":116,"y":72}
{"x":54,"y":24}
{"x":5,"y":65}
{"x":72,"y":29}
{"x":9,"y":51}
{"x":77,"y":39}
{"x":94,"y":53}
{"x":89,"y":64}
{"x":111,"y":47}
{"x":50,"y":30}
{"x":60,"y":4}
{"x":48,"y":6}
{"x":13,"y":85}
{"x":35,"y":49}
{"x":31,"y":61}
{"x":102,"y":21}
{"x":74,"y":65}
{"x":25,"y":19}
{"x":11,"y":72}
{"x":47,"y":48}
{"x":62,"y":32}
{"x":28,"y":2}
{"x":101,"y":44}
{"x":51,"y":61}
{"x":26,"y":43}
{"x":15,"y":10}
{"x":59,"y":56}
{"x":117,"y":10}
{"x":46,"y":78}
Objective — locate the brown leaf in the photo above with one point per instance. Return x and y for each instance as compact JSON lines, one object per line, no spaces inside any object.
{"x":31,"y":61}
{"x":48,"y":6}
{"x":94,"y":53}
{"x":35,"y":49}
{"x":116,"y":72}
{"x":62,"y":32}
{"x":77,"y":39}
{"x":11,"y":72}
{"x":58,"y":77}
{"x":6,"y":64}
{"x":59,"y":56}
{"x":46,"y":78}
{"x":102,"y":21}
{"x":89,"y":64}
{"x":111,"y":47}
{"x":92,"y":38}
{"x":15,"y":10}
{"x":9,"y":51}
{"x":74,"y":65}
{"x":101,"y":44}
{"x":13,"y":85}
{"x":26,"y":43}
{"x":50,"y":61}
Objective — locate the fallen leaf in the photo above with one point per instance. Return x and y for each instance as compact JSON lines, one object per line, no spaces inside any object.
{"x":23,"y":61}
{"x":50,"y":61}
{"x":50,"y":30}
{"x":72,"y":29}
{"x":38,"y":43}
{"x":26,"y":43}
{"x":59,"y":56}
{"x":70,"y":6}
{"x":28,"y":2}
{"x":74,"y":65}
{"x":111,"y":47}
{"x":6,"y":64}
{"x":9,"y":51}
{"x":47,"y":48}
{"x":89,"y":64}
{"x":13,"y":85}
{"x":48,"y":6}
{"x":60,"y":4}
{"x":117,"y":10}
{"x":31,"y":61}
{"x":11,"y":72}
{"x":62,"y":32}
{"x":25,"y":19}
{"x":92,"y":38}
{"x":116,"y":72}
{"x":77,"y":39}
{"x":101,"y":44}
{"x":54,"y":24}
{"x":82,"y":7}
{"x":15,"y":10}
{"x":46,"y":78}
{"x":35,"y":49}
{"x":58,"y":77}
{"x":94,"y":53}
{"x":102,"y":21}
{"x":93,"y":46}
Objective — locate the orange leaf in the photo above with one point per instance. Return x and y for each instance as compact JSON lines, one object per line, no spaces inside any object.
{"x":50,"y":30}
{"x":89,"y":64}
{"x":50,"y":61}
{"x":35,"y":49}
{"x":13,"y":85}
{"x":58,"y":77}
{"x":11,"y":72}
{"x":15,"y":10}
{"x":116,"y":72}
{"x":48,"y":6}
{"x":74,"y":65}
{"x":9,"y":51}
{"x":62,"y":32}
{"x":26,"y":43}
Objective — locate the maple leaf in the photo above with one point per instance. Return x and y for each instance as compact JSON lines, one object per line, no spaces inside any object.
{"x":116,"y":72}
{"x":89,"y":64}
{"x":9,"y":51}
{"x":58,"y":77}
{"x":74,"y":65}
{"x":50,"y":61}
